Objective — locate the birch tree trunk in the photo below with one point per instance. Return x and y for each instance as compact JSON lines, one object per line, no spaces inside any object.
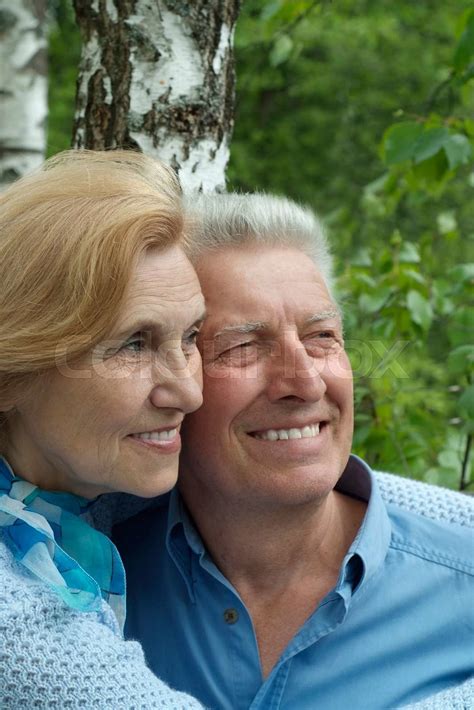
{"x":23,"y":87}
{"x":158,"y":76}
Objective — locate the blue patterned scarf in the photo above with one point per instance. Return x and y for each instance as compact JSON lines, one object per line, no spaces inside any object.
{"x":46,"y":534}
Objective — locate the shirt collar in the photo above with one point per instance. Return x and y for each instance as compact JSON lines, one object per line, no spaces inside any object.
{"x":370,"y":545}
{"x":364,"y":557}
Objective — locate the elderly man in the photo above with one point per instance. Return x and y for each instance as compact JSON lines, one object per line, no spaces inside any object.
{"x":277,"y":577}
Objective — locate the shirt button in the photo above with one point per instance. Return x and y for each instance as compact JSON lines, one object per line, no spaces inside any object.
{"x":231,"y":616}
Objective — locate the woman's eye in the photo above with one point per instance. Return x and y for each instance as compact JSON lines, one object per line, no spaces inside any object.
{"x":189,"y":340}
{"x":135,"y":344}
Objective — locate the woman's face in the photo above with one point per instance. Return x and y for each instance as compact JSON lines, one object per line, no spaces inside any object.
{"x":110,"y":421}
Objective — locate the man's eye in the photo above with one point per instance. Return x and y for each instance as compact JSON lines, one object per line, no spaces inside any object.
{"x":239,"y":354}
{"x":241,"y":347}
{"x":323,"y":340}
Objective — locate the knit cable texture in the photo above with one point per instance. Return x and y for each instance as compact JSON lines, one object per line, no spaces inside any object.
{"x":450,"y":507}
{"x":461,"y":697}
{"x":56,"y":658}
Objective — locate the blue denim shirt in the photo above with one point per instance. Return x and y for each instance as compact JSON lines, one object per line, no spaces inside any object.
{"x":397,"y":627}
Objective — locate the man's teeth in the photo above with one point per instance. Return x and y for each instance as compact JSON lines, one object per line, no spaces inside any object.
{"x":157,"y":435}
{"x":283,"y":434}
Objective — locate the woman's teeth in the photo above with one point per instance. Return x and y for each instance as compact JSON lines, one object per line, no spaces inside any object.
{"x":283,"y":434}
{"x":156,"y":435}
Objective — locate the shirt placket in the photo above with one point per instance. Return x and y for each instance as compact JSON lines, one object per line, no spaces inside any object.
{"x":329,"y":615}
{"x":233,"y":623}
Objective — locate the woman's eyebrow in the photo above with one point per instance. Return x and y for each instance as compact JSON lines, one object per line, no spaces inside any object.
{"x":200,"y":319}
{"x":147,"y":326}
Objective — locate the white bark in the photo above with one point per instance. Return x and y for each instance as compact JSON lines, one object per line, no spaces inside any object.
{"x":200,"y":164}
{"x":174,"y":88}
{"x":23,"y":88}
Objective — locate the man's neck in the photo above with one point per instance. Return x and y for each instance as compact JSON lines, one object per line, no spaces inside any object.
{"x":262,"y":548}
{"x":281,"y":562}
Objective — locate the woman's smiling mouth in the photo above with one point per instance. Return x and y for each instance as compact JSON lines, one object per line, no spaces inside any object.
{"x":165,"y":440}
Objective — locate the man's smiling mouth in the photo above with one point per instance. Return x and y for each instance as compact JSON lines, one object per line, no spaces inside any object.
{"x":307,"y":432}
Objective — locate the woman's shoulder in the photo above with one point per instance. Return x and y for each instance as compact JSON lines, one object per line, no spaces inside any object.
{"x":53,"y":655}
{"x":15,"y":580}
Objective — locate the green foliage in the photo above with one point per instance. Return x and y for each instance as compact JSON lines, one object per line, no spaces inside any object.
{"x":413,"y":411}
{"x":63,"y":57}
{"x":365,"y":111}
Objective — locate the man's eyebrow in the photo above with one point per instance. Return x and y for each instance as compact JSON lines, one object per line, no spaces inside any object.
{"x":244,"y":328}
{"x":323,"y":315}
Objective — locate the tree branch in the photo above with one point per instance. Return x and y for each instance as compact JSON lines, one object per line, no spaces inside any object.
{"x":464,"y":483}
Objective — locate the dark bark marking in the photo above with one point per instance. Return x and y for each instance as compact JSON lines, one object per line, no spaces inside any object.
{"x":38,"y":62}
{"x":8,"y":20}
{"x":106,"y":124}
{"x":209,"y":114}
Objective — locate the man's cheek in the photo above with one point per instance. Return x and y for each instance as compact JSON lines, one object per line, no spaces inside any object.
{"x":339,"y":367}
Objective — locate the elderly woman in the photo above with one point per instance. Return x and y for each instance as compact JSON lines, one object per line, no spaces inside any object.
{"x":99,"y":311}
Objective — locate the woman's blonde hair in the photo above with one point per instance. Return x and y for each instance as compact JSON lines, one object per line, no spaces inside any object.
{"x":70,"y":236}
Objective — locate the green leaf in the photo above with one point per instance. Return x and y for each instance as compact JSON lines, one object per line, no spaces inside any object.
{"x":270,"y":9}
{"x":462,"y":272}
{"x":399,"y":141}
{"x":414,"y":276}
{"x":461,"y":360}
{"x":365,"y":280}
{"x":449,"y":459}
{"x":420,"y":309}
{"x":371,"y":303}
{"x":431,"y":174}
{"x":465,"y":47}
{"x":409,"y":253}
{"x":466,"y":402}
{"x":447,"y":222}
{"x":362,"y":258}
{"x":281,"y":50}
{"x":446,"y":477}
{"x":430,"y":142}
{"x":458,"y":150}
{"x":461,"y":326}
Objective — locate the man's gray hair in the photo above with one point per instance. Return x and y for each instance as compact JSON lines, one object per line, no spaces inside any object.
{"x":216,"y":221}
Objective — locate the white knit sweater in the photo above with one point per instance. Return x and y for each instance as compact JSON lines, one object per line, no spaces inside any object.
{"x":52,"y":657}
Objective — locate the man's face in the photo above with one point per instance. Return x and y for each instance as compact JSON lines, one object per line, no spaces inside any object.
{"x":276,"y":424}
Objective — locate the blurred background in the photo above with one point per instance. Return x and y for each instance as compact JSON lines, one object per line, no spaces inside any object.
{"x":365,"y":111}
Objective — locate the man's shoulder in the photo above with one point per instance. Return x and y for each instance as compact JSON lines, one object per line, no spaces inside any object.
{"x":433,"y":523}
{"x":147,"y":525}
{"x":439,"y":542}
{"x":429,"y":501}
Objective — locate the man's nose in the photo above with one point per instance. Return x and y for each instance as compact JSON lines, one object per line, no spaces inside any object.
{"x":295,"y":374}
{"x":177,"y":383}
